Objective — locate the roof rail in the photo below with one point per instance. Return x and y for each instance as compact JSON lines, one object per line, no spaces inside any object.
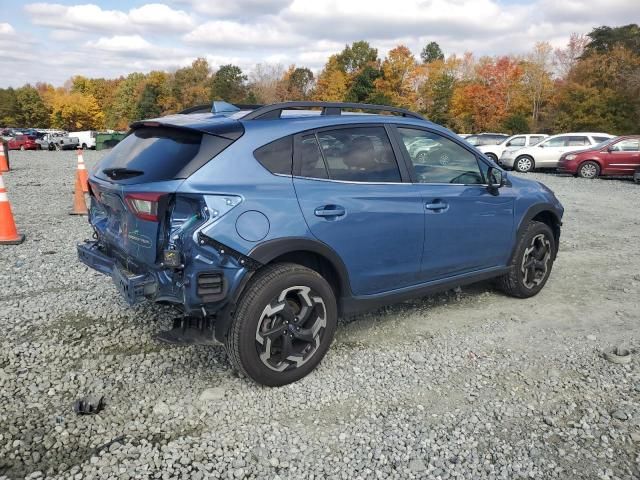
{"x":274,"y":111}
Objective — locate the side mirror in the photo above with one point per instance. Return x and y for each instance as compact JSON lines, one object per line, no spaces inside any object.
{"x":495,"y":179}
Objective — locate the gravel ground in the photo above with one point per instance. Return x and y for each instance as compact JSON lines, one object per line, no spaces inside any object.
{"x":468,"y":384}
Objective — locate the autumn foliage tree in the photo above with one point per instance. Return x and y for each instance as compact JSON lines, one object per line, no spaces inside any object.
{"x":591,"y":84}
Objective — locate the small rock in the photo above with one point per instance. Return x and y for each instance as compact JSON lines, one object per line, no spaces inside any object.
{"x":161,"y":409}
{"x":593,"y":338}
{"x":635,"y":436}
{"x":620,"y":415}
{"x":274,"y":462}
{"x":417,"y":465}
{"x":417,"y":358}
{"x":550,"y":421}
{"x":212,"y":394}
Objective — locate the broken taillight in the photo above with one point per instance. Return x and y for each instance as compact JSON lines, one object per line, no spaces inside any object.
{"x":144,"y":205}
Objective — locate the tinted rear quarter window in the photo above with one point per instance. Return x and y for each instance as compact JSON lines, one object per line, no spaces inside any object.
{"x":277,"y":156}
{"x":578,"y":141}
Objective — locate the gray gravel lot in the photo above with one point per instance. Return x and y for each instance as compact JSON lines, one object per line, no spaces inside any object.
{"x":468,"y":384}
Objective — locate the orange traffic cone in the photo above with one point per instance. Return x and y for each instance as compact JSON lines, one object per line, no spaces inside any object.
{"x":81,"y":172}
{"x":4,"y":158}
{"x":79,"y":203}
{"x":8,"y":233}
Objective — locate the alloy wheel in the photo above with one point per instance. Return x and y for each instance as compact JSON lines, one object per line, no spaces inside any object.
{"x":588,"y":170}
{"x":535,"y":261}
{"x":524,"y":164}
{"x":290,"y":328}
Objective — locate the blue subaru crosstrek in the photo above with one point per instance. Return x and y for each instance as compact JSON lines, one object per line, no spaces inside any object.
{"x":264,"y":225}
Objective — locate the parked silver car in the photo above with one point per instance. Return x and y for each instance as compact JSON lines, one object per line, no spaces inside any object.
{"x":514,"y":142}
{"x":547,"y":153}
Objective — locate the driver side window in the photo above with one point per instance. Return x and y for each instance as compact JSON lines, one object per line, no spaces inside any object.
{"x":436,"y":159}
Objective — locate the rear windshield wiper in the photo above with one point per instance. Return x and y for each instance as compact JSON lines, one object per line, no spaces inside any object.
{"x":121,"y":173}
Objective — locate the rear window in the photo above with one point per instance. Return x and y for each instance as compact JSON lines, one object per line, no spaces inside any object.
{"x":152,"y":154}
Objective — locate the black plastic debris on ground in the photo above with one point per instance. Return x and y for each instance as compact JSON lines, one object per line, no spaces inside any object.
{"x":89,"y":405}
{"x":189,"y":331}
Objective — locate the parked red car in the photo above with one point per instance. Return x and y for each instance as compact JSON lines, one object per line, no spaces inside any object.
{"x":23,"y":142}
{"x":617,"y":156}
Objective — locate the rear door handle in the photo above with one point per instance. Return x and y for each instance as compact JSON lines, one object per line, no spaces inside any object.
{"x":436,"y":206}
{"x":329,"y":211}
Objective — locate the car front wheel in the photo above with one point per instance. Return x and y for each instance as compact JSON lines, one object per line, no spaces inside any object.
{"x":589,"y":169}
{"x":283,"y":326}
{"x":524,"y":164}
{"x":531,"y":263}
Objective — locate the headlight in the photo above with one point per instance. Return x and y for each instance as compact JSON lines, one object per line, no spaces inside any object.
{"x":570,"y":157}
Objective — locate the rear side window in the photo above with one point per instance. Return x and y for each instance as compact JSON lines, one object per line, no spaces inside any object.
{"x":535,"y":139}
{"x":578,"y":141}
{"x":152,"y":154}
{"x":277,"y":156}
{"x":601,"y":139}
{"x":359,"y":154}
{"x":556,"y":142}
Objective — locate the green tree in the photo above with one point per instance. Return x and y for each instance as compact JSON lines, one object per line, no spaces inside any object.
{"x":148,"y":106}
{"x":125,"y":104}
{"x":431,"y":52}
{"x":362,"y":87}
{"x":355,"y":57}
{"x":515,"y":123}
{"x":604,"y":39}
{"x":229,"y":84}
{"x":33,"y":111}
{"x":9,"y":112}
{"x":191,"y":85}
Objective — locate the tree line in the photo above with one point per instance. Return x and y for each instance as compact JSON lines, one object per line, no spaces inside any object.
{"x":591,"y":84}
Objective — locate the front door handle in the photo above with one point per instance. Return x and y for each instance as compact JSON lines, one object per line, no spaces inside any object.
{"x":437,"y":206}
{"x":329,"y":211}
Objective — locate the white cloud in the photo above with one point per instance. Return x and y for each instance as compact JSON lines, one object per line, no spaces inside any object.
{"x":6,"y":29}
{"x":159,"y":15}
{"x":120,"y":43}
{"x":92,"y":18}
{"x":237,"y":8}
{"x":233,"y":34}
{"x":95,"y":40}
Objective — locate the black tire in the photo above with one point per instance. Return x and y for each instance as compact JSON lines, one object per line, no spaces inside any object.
{"x":589,"y":169}
{"x":636,"y":176}
{"x":492,"y":156}
{"x":519,"y":282}
{"x":84,"y":146}
{"x":270,"y":366}
{"x":524,"y":164}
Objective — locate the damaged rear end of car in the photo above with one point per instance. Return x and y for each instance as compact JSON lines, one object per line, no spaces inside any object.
{"x":148,"y":234}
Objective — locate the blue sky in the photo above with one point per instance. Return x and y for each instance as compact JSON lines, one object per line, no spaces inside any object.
{"x":52,"y":41}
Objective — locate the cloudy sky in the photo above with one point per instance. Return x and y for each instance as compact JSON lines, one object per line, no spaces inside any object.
{"x":53,"y":41}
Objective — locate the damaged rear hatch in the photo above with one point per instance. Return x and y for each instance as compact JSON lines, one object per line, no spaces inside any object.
{"x":133,"y":188}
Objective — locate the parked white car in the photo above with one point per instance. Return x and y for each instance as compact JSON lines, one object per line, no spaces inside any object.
{"x":514,"y":142}
{"x":87,"y":138}
{"x":547,"y":153}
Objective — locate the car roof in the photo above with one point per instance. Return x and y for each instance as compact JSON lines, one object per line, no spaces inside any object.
{"x":292,"y":122}
{"x":599,"y":134}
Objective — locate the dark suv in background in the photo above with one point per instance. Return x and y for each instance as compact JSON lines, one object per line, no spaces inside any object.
{"x":270,"y":223}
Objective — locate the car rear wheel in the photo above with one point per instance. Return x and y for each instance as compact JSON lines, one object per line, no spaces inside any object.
{"x":283,"y":326}
{"x":492,"y":156}
{"x":532,"y":262}
{"x":589,"y":169}
{"x":524,"y":164}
